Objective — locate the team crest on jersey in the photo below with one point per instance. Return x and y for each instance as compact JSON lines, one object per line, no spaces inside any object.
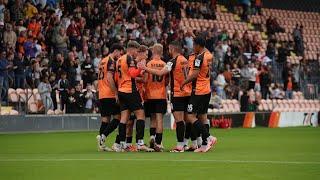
{"x":190,"y":107}
{"x":132,"y":63}
{"x":197,"y":62}
{"x":169,"y":65}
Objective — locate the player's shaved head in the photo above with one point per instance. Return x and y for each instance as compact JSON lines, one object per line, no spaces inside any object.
{"x":175,"y":47}
{"x":157,"y":49}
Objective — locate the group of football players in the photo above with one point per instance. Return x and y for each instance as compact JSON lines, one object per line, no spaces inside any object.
{"x":133,"y":85}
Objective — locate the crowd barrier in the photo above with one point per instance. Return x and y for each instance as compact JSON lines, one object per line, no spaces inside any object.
{"x":82,"y":122}
{"x":66,"y":122}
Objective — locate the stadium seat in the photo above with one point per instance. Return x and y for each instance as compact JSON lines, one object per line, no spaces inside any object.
{"x":33,"y":107}
{"x":14,"y":112}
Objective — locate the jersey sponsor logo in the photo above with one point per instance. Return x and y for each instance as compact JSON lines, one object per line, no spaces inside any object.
{"x":197,"y":63}
{"x":132,"y":63}
{"x":169,"y":65}
{"x":190,"y":108}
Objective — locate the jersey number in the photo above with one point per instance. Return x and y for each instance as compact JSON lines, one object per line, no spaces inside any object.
{"x":119,"y":71}
{"x":157,"y":78}
{"x":101,"y":73}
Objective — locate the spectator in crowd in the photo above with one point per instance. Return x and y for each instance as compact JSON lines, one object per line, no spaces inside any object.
{"x":245,"y":9}
{"x":72,"y":101}
{"x":273,"y":26}
{"x":227,"y":73}
{"x":87,"y":71}
{"x":252,"y":73}
{"x":61,"y":42}
{"x":298,"y":40}
{"x":276,"y":92}
{"x":244,"y":101}
{"x":30,"y":10}
{"x":246,"y":75}
{"x":288,"y":85}
{"x":4,"y":82}
{"x":215,"y":101}
{"x":48,"y":38}
{"x":10,"y":58}
{"x":271,"y":51}
{"x":54,"y":86}
{"x":45,"y":90}
{"x":221,"y":84}
{"x":19,"y":71}
{"x":232,"y":90}
{"x":63,"y":85}
{"x":9,"y":38}
{"x":80,"y":94}
{"x":264,"y":82}
{"x":29,"y":46}
{"x":89,"y":99}
{"x":236,"y":74}
{"x":283,"y":52}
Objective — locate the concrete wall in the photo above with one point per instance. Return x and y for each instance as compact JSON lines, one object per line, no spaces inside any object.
{"x":78,"y":122}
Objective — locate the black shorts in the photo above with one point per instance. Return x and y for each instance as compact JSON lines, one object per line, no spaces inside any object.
{"x":180,"y":103}
{"x":146,"y":109}
{"x":156,"y":106}
{"x":198,"y":104}
{"x":130,"y":101}
{"x":108,"y":107}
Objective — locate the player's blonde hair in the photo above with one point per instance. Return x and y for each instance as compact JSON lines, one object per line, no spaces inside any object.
{"x":157,"y":49}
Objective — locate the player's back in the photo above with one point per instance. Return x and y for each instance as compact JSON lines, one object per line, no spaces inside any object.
{"x":156,"y":85}
{"x":106,"y":65}
{"x":201,"y":62}
{"x":178,"y":74}
{"x":126,"y":83}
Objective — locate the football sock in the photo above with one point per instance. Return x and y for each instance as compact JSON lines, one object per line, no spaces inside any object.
{"x":202,"y":130}
{"x":111,"y":127}
{"x":180,"y":131}
{"x":152,"y":132}
{"x":207,"y":127}
{"x":159,"y":138}
{"x":194,"y":134}
{"x":122,"y":132}
{"x":129,"y":140}
{"x":188,"y":131}
{"x":117,"y":141}
{"x":103,"y":126}
{"x":140,"y":125}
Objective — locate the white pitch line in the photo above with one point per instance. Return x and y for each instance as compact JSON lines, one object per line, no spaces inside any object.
{"x":168,"y":160}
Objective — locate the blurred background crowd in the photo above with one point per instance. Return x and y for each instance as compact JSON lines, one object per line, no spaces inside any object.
{"x":55,"y":46}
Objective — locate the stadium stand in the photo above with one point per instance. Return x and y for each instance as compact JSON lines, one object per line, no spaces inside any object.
{"x":49,"y":39}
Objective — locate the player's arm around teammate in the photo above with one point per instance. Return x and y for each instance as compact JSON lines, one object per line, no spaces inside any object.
{"x":108,"y":96}
{"x":199,"y":76}
{"x":177,"y":68}
{"x":129,"y":97}
{"x":156,"y":94}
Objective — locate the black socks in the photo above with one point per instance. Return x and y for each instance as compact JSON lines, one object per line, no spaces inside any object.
{"x":140,"y":125}
{"x":200,"y":128}
{"x":180,"y":128}
{"x":103,"y":126}
{"x":111,"y":127}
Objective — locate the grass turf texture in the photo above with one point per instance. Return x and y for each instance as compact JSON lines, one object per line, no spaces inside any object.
{"x":261,"y":153}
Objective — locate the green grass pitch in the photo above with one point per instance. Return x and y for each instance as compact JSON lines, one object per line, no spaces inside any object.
{"x":260,"y":153}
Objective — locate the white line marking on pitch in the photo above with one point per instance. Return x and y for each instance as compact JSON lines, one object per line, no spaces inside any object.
{"x":169,"y":160}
